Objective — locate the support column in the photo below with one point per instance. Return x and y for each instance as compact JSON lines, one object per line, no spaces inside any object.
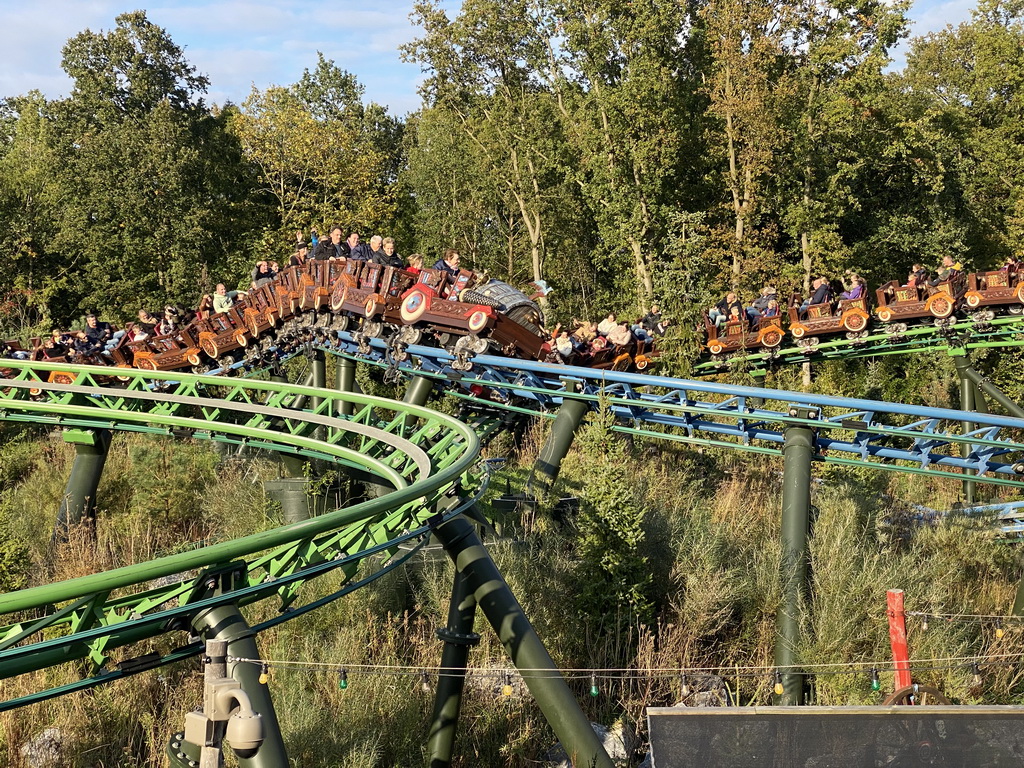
{"x":79,"y":502}
{"x":226,"y":623}
{"x":966,"y":404}
{"x":417,"y":392}
{"x":458,"y":638}
{"x":797,"y":451}
{"x":563,"y":431}
{"x":525,"y":648}
{"x":319,"y":374}
{"x":345,"y":381}
{"x":290,"y":463}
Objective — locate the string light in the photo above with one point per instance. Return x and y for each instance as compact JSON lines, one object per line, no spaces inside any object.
{"x":264,"y":674}
{"x":999,"y":630}
{"x":779,"y":687}
{"x":876,"y":684}
{"x":976,"y":678}
{"x":924,"y":624}
{"x":343,"y":679}
{"x":420,"y":673}
{"x":594,"y":692}
{"x":506,"y":687}
{"x":424,"y":682}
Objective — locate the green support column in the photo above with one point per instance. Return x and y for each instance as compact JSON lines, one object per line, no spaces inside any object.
{"x":563,"y":431}
{"x":226,"y":623}
{"x":79,"y":502}
{"x":966,"y":404}
{"x":319,"y":374}
{"x":345,"y":381}
{"x":417,"y":392}
{"x":525,"y":648}
{"x":987,"y":387}
{"x":458,"y":637}
{"x":797,"y":451}
{"x":291,"y":464}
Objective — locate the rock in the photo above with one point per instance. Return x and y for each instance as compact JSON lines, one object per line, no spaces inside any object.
{"x":707,"y":691}
{"x":45,"y":750}
{"x":618,"y":741}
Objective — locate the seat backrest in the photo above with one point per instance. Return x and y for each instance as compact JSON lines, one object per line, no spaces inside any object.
{"x":435,"y":278}
{"x":734,"y":328}
{"x":819,"y":310}
{"x":371,"y":277}
{"x":458,"y":284}
{"x":997,"y":279}
{"x":904,"y":293}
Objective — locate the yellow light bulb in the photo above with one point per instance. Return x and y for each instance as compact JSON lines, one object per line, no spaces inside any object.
{"x":1000,"y":632}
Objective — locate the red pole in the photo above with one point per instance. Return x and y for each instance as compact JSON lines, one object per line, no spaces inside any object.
{"x":898,"y":637}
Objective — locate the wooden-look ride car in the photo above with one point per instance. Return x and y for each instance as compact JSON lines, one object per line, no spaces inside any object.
{"x":849,"y":315}
{"x":996,"y":288}
{"x":898,"y":303}
{"x":766,"y":334}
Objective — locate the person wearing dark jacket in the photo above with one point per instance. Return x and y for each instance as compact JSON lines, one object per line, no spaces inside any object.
{"x":449,"y":262}
{"x":822,"y":295}
{"x":358,"y":251}
{"x":331,"y":248}
{"x":391,"y":259}
{"x":722,"y":311}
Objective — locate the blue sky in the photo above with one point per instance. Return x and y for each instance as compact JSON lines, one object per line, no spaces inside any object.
{"x":237,"y":43}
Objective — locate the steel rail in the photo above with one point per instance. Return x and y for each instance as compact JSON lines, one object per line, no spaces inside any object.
{"x":96,"y":620}
{"x":848,"y":431}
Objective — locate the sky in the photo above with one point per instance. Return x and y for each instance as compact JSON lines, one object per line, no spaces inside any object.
{"x":239,"y":43}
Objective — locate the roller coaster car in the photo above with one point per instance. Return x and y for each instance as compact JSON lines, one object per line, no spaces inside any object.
{"x":850,"y":315}
{"x":261,"y":312}
{"x":374,"y":291}
{"x":223,"y":332}
{"x":167,"y":353}
{"x":768,"y":335}
{"x":985,"y":289}
{"x":905,"y":302}
{"x":287,"y":291}
{"x":518,"y":326}
{"x":425,"y":304}
{"x":316,"y":285}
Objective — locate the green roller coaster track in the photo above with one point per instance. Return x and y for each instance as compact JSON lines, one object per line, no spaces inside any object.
{"x":998,"y":333}
{"x":427,"y":464}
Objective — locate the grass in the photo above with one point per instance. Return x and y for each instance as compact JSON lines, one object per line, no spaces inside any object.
{"x":708,"y":535}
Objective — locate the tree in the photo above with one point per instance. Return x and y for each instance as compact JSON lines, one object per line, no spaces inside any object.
{"x":151,"y":189}
{"x":321,"y":155}
{"x":965,"y":101}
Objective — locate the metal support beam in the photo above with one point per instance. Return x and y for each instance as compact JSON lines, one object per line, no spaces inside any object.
{"x":345,"y":381}
{"x":797,"y":451}
{"x":994,"y":392}
{"x":226,"y":623}
{"x":319,"y":374}
{"x":458,"y":638}
{"x":525,"y":648}
{"x":293,"y":466}
{"x":563,"y":431}
{"x":417,"y":392}
{"x":966,"y":404}
{"x":79,"y":502}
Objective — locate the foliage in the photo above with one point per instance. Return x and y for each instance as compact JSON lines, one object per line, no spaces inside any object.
{"x":617,"y":579}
